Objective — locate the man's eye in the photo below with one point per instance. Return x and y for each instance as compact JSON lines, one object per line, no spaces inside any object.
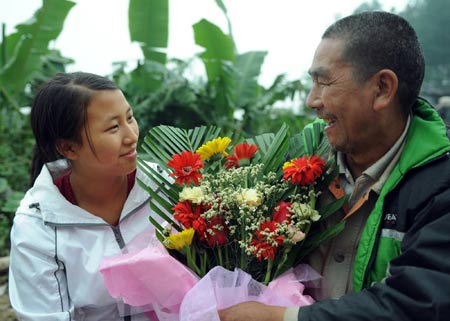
{"x":323,"y":83}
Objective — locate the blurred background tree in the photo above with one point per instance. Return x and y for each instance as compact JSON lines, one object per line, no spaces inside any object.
{"x":227,"y":93}
{"x":25,"y":62}
{"x":431,"y":19}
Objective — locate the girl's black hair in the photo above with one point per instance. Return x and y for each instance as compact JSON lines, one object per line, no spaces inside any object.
{"x":59,"y":113}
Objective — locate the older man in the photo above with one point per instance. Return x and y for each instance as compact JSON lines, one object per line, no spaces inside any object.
{"x":391,"y":261}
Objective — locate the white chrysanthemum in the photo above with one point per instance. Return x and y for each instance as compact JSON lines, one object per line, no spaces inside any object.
{"x":304,"y":211}
{"x":193,"y":194}
{"x":249,"y":197}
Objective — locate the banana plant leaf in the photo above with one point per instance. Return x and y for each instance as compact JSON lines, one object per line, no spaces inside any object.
{"x":222,"y":7}
{"x":26,"y":48}
{"x":219,"y":59}
{"x":248,"y":69}
{"x":148,"y":22}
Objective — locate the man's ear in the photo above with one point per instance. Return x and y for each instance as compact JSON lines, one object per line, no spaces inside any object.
{"x":387,"y":84}
{"x":67,"y":148}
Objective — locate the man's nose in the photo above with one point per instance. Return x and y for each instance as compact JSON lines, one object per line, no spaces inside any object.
{"x":313,"y":100}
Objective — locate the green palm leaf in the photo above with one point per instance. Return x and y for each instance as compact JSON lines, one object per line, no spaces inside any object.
{"x":162,"y":142}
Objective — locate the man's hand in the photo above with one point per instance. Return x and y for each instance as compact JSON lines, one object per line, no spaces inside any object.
{"x":252,"y":311}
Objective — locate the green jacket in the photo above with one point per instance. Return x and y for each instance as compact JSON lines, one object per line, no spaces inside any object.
{"x":402,"y":265}
{"x":426,"y":139}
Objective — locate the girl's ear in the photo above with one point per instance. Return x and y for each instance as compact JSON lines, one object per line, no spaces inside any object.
{"x":387,"y":85}
{"x":67,"y":149}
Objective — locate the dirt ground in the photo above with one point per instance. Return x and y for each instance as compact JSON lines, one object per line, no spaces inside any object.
{"x":6,"y":312}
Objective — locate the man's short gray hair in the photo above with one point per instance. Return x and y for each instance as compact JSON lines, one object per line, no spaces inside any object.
{"x":382,"y":40}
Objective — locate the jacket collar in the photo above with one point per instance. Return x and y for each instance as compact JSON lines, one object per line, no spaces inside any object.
{"x":45,"y":200}
{"x":426,"y":137}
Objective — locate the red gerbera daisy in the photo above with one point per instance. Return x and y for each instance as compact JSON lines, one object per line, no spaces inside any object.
{"x":186,"y":166}
{"x":217,"y":233}
{"x":266,"y":241}
{"x":184,"y":214}
{"x":243,"y":153}
{"x":303,"y":170}
{"x":282,"y":214}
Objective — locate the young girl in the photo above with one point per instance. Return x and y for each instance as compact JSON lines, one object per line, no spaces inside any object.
{"x":83,"y":205}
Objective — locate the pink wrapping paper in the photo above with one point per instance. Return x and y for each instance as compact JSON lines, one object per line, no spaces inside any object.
{"x":152,"y":278}
{"x":149,"y":276}
{"x":221,"y":288}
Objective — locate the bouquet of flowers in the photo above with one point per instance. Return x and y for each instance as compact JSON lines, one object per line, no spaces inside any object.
{"x":249,"y":206}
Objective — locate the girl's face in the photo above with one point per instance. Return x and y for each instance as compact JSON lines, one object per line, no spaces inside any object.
{"x":113,"y":135}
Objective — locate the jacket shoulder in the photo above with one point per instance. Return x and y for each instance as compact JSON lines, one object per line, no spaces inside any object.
{"x":420,"y":186}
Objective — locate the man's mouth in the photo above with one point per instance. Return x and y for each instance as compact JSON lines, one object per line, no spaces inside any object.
{"x":329,"y":120}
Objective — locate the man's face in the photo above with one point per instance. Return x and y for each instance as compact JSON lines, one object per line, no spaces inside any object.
{"x":344,"y":103}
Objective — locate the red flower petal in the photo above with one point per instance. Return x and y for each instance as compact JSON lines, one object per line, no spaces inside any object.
{"x":265,"y":244}
{"x":242,"y":152}
{"x":186,"y":166}
{"x":282,"y":214}
{"x":185,"y":215}
{"x":219,"y":235}
{"x":304,"y":170}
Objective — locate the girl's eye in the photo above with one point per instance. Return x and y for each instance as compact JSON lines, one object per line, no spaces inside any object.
{"x":131,"y":117}
{"x":112,"y":128}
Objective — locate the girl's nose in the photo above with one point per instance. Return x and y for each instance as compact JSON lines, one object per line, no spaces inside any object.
{"x":132,"y":134}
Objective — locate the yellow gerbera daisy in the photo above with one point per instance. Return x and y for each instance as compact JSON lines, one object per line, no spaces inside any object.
{"x":288,"y":164}
{"x":213,"y":147}
{"x":180,"y":240}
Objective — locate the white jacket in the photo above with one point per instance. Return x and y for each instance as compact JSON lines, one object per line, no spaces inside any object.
{"x":56,"y":250}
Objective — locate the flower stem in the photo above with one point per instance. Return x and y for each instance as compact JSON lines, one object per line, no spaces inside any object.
{"x":242,"y":264}
{"x":268,"y":271}
{"x":219,"y":255}
{"x":190,"y":251}
{"x":312,"y":196}
{"x":283,"y":260}
{"x":203,"y":261}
